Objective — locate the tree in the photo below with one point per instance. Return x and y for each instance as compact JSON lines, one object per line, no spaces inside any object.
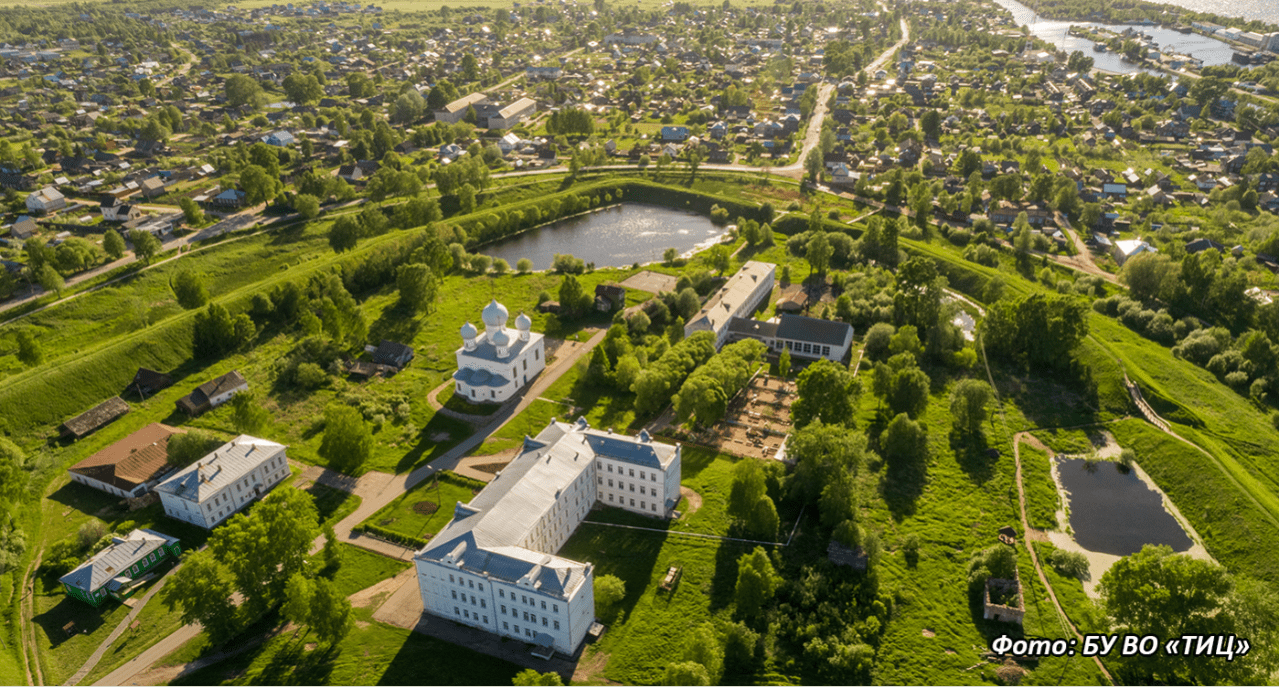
{"x":303,"y":88}
{"x":216,"y":332}
{"x":307,"y":206}
{"x":30,"y":353}
{"x":523,"y":266}
{"x":827,"y":390}
{"x":819,"y":252}
{"x":418,"y":286}
{"x":13,"y":479}
{"x":145,"y":245}
{"x":574,"y":301}
{"x":1040,"y":329}
{"x":202,"y":589}
{"x":299,"y":592}
{"x":746,"y":489}
{"x":686,"y":674}
{"x":968,"y":406}
{"x":530,"y":677}
{"x":344,"y":234}
{"x":247,"y":415}
{"x":903,"y":442}
{"x":50,"y":280}
{"x":609,"y":593}
{"x":242,"y":90}
{"x":190,"y":289}
{"x":930,"y":124}
{"x":191,"y":211}
{"x":1151,"y":276}
{"x":330,"y":616}
{"x":908,"y":392}
{"x":813,"y":165}
{"x":113,"y":244}
{"x":1158,"y":592}
{"x":820,"y":451}
{"x":259,"y":185}
{"x":186,"y":448}
{"x":263,"y":549}
{"x":756,"y":583}
{"x":347,"y":442}
{"x":703,"y":647}
{"x":784,"y":363}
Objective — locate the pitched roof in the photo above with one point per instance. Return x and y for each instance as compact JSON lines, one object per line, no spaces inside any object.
{"x":132,"y":461}
{"x":485,"y":535}
{"x":720,"y":307}
{"x":805,"y":329}
{"x":96,"y":417}
{"x":224,"y":466}
{"x":116,"y":559}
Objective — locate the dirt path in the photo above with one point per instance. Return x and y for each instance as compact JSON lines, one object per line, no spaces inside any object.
{"x":694,"y":500}
{"x":30,"y":654}
{"x":1034,"y":557}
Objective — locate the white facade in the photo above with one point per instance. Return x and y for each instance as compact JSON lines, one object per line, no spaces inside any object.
{"x":491,"y":566}
{"x":738,"y":298}
{"x":492,"y":366}
{"x":456,"y":110}
{"x":219,"y":485}
{"x":45,"y":200}
{"x":513,"y":114}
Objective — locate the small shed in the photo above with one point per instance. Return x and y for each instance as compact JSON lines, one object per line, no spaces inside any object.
{"x":842,"y":555}
{"x":609,"y":297}
{"x":147,"y":381}
{"x":393,"y":354}
{"x":95,"y":418}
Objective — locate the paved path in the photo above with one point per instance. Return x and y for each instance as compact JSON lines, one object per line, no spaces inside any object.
{"x":94,"y":658}
{"x":376,"y":490}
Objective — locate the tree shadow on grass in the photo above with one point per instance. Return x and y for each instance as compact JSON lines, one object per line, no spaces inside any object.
{"x":724,"y":582}
{"x":398,"y":324}
{"x":68,"y":610}
{"x":439,"y":435}
{"x":903,"y":484}
{"x":974,"y":456}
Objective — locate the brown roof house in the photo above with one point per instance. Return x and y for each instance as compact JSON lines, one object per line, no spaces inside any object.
{"x":130,"y":467}
{"x":213,"y":393}
{"x":95,"y":418}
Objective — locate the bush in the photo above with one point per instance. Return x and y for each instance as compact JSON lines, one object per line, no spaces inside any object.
{"x":1073,"y":564}
{"x":310,"y":376}
{"x":390,"y":535}
{"x":910,"y":548}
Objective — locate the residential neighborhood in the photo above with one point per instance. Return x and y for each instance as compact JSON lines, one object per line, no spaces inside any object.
{"x":931,"y":342}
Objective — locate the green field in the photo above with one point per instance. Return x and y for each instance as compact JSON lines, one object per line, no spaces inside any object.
{"x":1042,"y":499}
{"x":422,"y":511}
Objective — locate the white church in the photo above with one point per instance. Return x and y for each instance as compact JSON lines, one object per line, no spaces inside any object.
{"x":494,"y":365}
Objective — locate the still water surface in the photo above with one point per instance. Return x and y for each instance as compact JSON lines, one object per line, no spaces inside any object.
{"x":1116,"y":513}
{"x":615,"y":237}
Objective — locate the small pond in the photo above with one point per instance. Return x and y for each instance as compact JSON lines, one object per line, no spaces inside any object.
{"x":1113,"y":512}
{"x":614,"y":237}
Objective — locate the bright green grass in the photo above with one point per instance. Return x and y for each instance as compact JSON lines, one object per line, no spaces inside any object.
{"x":1042,"y":500}
{"x":1234,"y":530}
{"x":362,"y":569}
{"x":372,"y":654}
{"x":1064,"y":441}
{"x":332,"y":504}
{"x":1082,"y":610}
{"x":531,"y":421}
{"x":451,"y":401}
{"x":401,"y":517}
{"x":154,"y":622}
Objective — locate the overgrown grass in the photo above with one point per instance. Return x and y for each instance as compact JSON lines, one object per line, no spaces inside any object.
{"x":1082,"y":610}
{"x":154,"y":622}
{"x":1042,"y":499}
{"x":362,"y":569}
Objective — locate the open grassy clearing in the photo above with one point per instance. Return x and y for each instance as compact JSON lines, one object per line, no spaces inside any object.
{"x":362,"y":569}
{"x":1082,"y":610}
{"x":422,"y":511}
{"x":1042,"y":500}
{"x":154,"y":622}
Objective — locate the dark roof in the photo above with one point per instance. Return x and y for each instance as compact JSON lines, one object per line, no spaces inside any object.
{"x":803,"y":328}
{"x":392,"y":352}
{"x":199,"y":398}
{"x":151,"y":379}
{"x":752,"y":328}
{"x":1203,"y":245}
{"x":132,"y":461}
{"x":842,"y":555}
{"x":95,"y":417}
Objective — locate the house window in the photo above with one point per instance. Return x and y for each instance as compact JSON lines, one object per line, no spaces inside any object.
{"x":543,"y":604}
{"x":526,"y":364}
{"x":655,"y":508}
{"x":632,"y":472}
{"x":503,"y":609}
{"x":523,"y":599}
{"x":457,"y":611}
{"x":610,"y":498}
{"x":641,"y":475}
{"x":544,"y":621}
{"x":557,"y":625}
{"x":466,"y":614}
{"x":652,"y":476}
{"x":471,"y":583}
{"x":537,"y":355}
{"x":632,"y":487}
{"x":153,"y":557}
{"x":601,"y":480}
{"x":610,"y":468}
{"x":555,"y":608}
{"x":493,"y":394}
{"x":610,"y":482}
{"x":643,"y":505}
{"x":517,"y":629}
{"x":472,"y":599}
{"x":632,"y":502}
{"x":486,"y":619}
{"x":451,"y":578}
{"x":506,"y":626}
{"x":484,"y":604}
{"x":501,"y":593}
{"x":455,"y":594}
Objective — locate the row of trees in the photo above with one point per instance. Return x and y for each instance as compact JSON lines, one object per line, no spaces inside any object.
{"x":704,"y":396}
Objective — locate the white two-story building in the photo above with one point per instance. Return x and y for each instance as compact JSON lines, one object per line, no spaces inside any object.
{"x":493,"y":566}
{"x":492,"y":366}
{"x":214,"y":488}
{"x":740,"y":296}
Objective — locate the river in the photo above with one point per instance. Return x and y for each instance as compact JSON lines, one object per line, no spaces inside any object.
{"x":614,"y":237}
{"x":1210,"y":50}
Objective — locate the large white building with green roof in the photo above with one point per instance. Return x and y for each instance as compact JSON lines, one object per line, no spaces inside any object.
{"x":494,"y":566}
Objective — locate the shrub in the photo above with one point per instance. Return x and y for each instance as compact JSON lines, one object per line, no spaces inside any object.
{"x":1073,"y":564}
{"x":910,"y":548}
{"x":310,"y":376}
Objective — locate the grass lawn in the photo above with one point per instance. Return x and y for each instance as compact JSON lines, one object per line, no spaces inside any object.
{"x":332,"y":504}
{"x":154,"y":622}
{"x":362,"y":569}
{"x":372,"y":654}
{"x":422,"y":511}
{"x":1082,"y":610}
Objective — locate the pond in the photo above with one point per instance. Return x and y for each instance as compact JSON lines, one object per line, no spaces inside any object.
{"x":1210,"y":50}
{"x":613,"y":237}
{"x":1115,"y":512}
